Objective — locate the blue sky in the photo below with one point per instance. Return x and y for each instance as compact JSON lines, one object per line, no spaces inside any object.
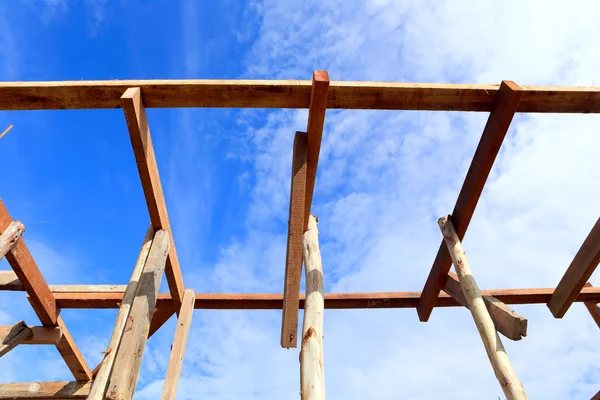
{"x":384,"y":179}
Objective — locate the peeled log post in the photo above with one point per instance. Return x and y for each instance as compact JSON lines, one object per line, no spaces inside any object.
{"x":10,"y":236}
{"x":493,"y":345}
{"x":312,"y":380}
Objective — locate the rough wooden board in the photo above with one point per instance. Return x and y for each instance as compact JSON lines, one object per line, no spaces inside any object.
{"x":10,"y":236}
{"x":71,"y":354}
{"x":583,"y":265}
{"x":44,"y":335}
{"x":291,"y":94}
{"x":31,"y":278}
{"x":491,"y":140}
{"x":293,"y":255}
{"x":9,"y":281}
{"x":45,"y":390}
{"x":184,"y":322}
{"x":12,"y":336}
{"x":139,"y":132}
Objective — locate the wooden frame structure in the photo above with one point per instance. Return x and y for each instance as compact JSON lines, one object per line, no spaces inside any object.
{"x":142,"y":311}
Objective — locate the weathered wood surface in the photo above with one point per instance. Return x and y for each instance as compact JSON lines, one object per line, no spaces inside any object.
{"x":124,"y":376}
{"x":10,"y":282}
{"x":141,"y":141}
{"x":107,"y":364}
{"x":505,"y":106}
{"x":312,"y":374}
{"x":291,"y":94}
{"x":506,"y":320}
{"x":293,"y":255}
{"x":45,"y":390}
{"x":583,"y":265}
{"x":70,"y":353}
{"x":10,"y":236}
{"x":184,"y":322}
{"x":12,"y":336}
{"x":511,"y":386}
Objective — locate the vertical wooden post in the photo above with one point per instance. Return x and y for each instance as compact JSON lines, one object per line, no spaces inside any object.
{"x":493,"y":345}
{"x":312,"y":380}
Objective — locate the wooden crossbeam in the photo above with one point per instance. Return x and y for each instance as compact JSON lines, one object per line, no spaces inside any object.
{"x":291,"y":94}
{"x":506,"y":320}
{"x":583,"y":265}
{"x":10,"y":236}
{"x":45,"y":390}
{"x":593,"y":307}
{"x":124,"y":376}
{"x":10,"y":282}
{"x":184,"y":322}
{"x":511,"y":386}
{"x":38,"y":334}
{"x":12,"y":336}
{"x":505,"y":106}
{"x":139,"y":132}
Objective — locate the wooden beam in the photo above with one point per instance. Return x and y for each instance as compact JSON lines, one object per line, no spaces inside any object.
{"x":44,"y":335}
{"x":31,"y":278}
{"x":106,"y":365}
{"x":10,"y":236}
{"x":312,"y":376}
{"x":506,"y":320}
{"x":596,"y":396}
{"x":124,"y":376}
{"x":70,"y":353}
{"x":593,"y":307}
{"x":511,"y":386}
{"x":45,"y":390}
{"x":10,"y":282}
{"x":505,"y":106}
{"x":139,"y":132}
{"x":184,"y":322}
{"x":293,"y":254}
{"x":583,"y":265}
{"x":291,"y":94}
{"x":12,"y":336}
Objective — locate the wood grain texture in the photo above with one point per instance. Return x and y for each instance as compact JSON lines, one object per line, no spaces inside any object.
{"x":293,"y":254}
{"x":505,"y":106}
{"x":44,"y":335}
{"x":506,"y":320}
{"x":102,"y":376}
{"x":9,"y":281}
{"x":70,"y":353}
{"x":139,"y":133}
{"x":12,"y":336}
{"x":10,"y":236}
{"x":291,"y":94}
{"x":124,"y":376}
{"x":583,"y":265}
{"x":507,"y":378}
{"x":29,"y":275}
{"x":184,"y":322}
{"x":45,"y":390}
{"x":312,"y":372}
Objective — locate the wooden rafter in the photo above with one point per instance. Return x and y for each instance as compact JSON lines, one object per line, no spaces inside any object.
{"x":45,"y":390}
{"x":70,"y":353}
{"x":593,"y":307}
{"x":291,"y":94}
{"x":39,"y":334}
{"x":583,"y":265}
{"x":10,"y":282}
{"x":139,"y":132}
{"x":505,"y":106}
{"x":10,"y":236}
{"x":12,"y":336}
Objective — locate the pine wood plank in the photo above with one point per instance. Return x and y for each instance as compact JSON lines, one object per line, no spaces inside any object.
{"x":58,"y":390}
{"x":12,"y":336}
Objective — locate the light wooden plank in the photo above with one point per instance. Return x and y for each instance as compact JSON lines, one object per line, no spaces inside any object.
{"x":106,"y":365}
{"x":9,"y":281}
{"x":506,"y":320}
{"x":10,"y":236}
{"x":509,"y":382}
{"x":184,"y":322}
{"x":44,"y":335}
{"x":491,"y":140}
{"x":28,"y":273}
{"x":291,"y":94}
{"x":70,"y":353}
{"x":583,"y":265}
{"x":293,"y":255}
{"x":60,"y":390}
{"x":12,"y":336}
{"x":312,"y":373}
{"x":139,"y":132}
{"x":124,"y":376}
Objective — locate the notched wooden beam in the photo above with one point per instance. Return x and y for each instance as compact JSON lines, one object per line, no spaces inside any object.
{"x":12,"y":336}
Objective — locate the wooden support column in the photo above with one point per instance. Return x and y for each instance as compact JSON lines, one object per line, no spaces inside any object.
{"x":312,"y":379}
{"x":583,"y":265}
{"x":505,"y":106}
{"x":178,"y":347}
{"x":12,"y":336}
{"x":506,"y":320}
{"x":45,"y":390}
{"x":139,"y":132}
{"x":493,"y":345}
{"x":10,"y":236}
{"x":293,"y":256}
{"x":124,"y":376}
{"x":106,"y":366}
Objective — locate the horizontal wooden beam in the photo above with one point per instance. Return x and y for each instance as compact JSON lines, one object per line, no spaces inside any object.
{"x":37,"y":334}
{"x":12,"y":336}
{"x":9,"y":281}
{"x":223,"y":301}
{"x":583,"y":265}
{"x":45,"y":390}
{"x":291,"y":94}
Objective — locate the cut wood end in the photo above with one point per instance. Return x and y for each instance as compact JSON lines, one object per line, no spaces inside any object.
{"x":511,"y":85}
{"x":321,"y":76}
{"x":131,"y":93}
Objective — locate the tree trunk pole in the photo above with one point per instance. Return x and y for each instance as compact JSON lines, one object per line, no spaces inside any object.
{"x":312,"y":381}
{"x":505,"y":374}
